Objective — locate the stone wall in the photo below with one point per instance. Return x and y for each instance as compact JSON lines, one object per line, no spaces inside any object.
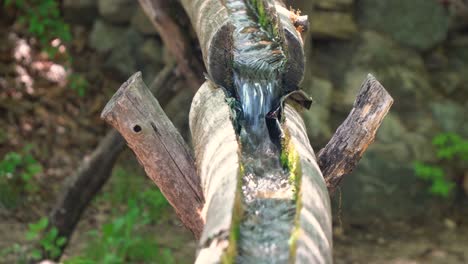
{"x":418,"y":49}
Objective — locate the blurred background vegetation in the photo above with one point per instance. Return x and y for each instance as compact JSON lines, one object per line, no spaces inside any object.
{"x":61,"y":61}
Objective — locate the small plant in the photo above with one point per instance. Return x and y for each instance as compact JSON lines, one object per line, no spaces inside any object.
{"x":44,"y":242}
{"x":450,"y":148}
{"x":78,"y":83}
{"x":118,"y":242}
{"x":125,"y":186}
{"x":48,"y":239}
{"x":43,"y":21}
{"x":17,"y":171}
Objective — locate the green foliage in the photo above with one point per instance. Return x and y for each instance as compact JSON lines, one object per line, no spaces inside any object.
{"x":17,"y":171}
{"x":44,"y":241}
{"x":450,"y":147}
{"x":78,"y":83}
{"x":43,"y":21}
{"x":125,"y":186}
{"x":48,"y":239}
{"x":123,"y":239}
{"x":118,"y":242}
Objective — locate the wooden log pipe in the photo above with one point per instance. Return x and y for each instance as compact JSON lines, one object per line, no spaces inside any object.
{"x":215,"y":28}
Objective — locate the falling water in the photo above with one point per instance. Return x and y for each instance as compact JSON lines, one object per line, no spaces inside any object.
{"x":267,"y":193}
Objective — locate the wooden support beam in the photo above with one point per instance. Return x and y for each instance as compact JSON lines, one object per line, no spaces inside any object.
{"x":167,"y":160}
{"x":342,"y":153}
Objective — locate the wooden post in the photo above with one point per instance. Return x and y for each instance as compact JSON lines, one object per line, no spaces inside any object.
{"x":167,"y":160}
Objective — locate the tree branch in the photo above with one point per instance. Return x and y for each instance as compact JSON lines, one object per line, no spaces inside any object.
{"x":167,"y":160}
{"x":352,"y":138}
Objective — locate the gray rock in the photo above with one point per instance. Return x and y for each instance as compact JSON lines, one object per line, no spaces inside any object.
{"x":141,"y":22}
{"x":450,"y":116}
{"x":317,"y":124}
{"x":392,"y":130}
{"x":383,"y":186}
{"x":351,"y":85}
{"x":117,"y":11}
{"x":104,"y":37}
{"x":321,"y":92}
{"x":452,"y":77}
{"x":124,"y":58}
{"x":80,"y":11}
{"x":333,"y":4}
{"x":401,"y":71}
{"x":420,"y":24}
{"x":332,"y":25}
{"x":152,"y":52}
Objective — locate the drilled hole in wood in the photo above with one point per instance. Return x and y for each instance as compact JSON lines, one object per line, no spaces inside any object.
{"x":137,"y":129}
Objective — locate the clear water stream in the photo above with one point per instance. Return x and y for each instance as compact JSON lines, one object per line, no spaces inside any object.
{"x":269,"y":207}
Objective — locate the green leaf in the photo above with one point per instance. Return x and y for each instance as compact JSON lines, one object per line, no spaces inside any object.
{"x":36,"y":254}
{"x":31,"y":235}
{"x":61,"y":241}
{"x":43,"y":223}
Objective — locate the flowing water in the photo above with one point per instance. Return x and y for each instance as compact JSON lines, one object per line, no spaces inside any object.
{"x":269,"y":206}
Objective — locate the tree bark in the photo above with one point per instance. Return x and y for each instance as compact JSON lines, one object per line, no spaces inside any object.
{"x":95,"y":170}
{"x":312,"y":234}
{"x":137,"y":115}
{"x":217,"y":156}
{"x":352,"y":138}
{"x":215,"y":28}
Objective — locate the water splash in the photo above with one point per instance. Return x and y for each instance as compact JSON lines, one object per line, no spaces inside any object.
{"x":268,"y":201}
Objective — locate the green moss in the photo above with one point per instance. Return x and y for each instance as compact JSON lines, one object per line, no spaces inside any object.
{"x":229,"y":256}
{"x":265,"y":19}
{"x":290,"y":160}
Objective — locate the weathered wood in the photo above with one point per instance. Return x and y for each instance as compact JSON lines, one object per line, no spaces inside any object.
{"x":94,"y":171}
{"x":214,"y":29}
{"x":217,"y":156}
{"x":313,"y":231}
{"x":342,"y":153}
{"x":137,"y":115}
{"x":171,"y":22}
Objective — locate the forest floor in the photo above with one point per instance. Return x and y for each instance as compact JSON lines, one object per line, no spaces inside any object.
{"x":38,"y":109}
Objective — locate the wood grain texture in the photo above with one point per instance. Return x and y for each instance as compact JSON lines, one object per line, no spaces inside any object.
{"x":342,"y":153}
{"x":214,"y":29}
{"x":160,"y":149}
{"x":314,"y":230}
{"x":217,"y":155}
{"x":94,"y":170}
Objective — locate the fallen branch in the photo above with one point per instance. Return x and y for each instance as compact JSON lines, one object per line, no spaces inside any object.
{"x":352,"y":138}
{"x":137,"y":115}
